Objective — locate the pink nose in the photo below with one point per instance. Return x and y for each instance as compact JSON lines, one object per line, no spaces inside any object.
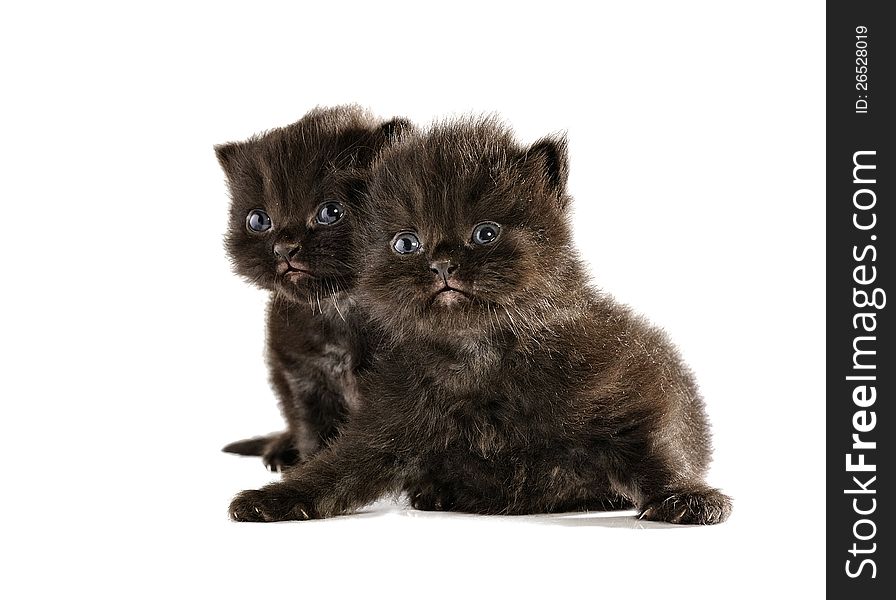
{"x":443,"y":268}
{"x":286,"y":250}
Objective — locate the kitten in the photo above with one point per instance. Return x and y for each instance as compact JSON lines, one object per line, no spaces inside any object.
{"x":294,"y":194}
{"x":509,"y":385}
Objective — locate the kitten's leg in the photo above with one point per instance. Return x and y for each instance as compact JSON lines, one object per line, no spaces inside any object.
{"x":313,"y":412}
{"x":663,"y":491}
{"x":277,"y":450}
{"x":339,"y":479}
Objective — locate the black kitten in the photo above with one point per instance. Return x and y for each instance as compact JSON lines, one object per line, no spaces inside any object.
{"x":294,"y":193}
{"x":509,"y":386}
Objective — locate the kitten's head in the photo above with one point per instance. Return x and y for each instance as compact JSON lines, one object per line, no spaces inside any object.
{"x":295,"y":193}
{"x":467,"y":231}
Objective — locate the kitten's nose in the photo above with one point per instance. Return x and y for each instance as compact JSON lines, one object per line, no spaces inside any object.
{"x":444,"y":268}
{"x":286,"y":250}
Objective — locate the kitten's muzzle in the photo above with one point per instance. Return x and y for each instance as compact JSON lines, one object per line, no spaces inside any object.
{"x":288,"y":265}
{"x":447,"y":289}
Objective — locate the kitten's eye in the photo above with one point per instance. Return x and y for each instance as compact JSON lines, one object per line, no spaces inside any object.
{"x":406,"y":243}
{"x":329,"y":213}
{"x":486,"y":233}
{"x":258,"y":221}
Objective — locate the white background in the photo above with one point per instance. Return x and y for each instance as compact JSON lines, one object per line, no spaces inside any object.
{"x":131,"y":354}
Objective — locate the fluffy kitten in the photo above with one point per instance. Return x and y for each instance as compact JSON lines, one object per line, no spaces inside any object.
{"x":294,"y":192}
{"x":509,"y":386}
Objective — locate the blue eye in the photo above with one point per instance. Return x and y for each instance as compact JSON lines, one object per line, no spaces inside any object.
{"x":329,"y":213}
{"x":258,"y":221}
{"x":486,"y":233}
{"x":406,"y":243}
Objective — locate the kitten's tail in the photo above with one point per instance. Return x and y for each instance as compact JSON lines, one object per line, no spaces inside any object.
{"x":252,"y":446}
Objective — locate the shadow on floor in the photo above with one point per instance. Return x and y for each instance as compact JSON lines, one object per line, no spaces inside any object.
{"x":620,"y":519}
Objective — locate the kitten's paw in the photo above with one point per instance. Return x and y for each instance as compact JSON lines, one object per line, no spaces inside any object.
{"x":429,"y":497}
{"x":280,"y":454}
{"x":694,"y":507}
{"x":272,"y":503}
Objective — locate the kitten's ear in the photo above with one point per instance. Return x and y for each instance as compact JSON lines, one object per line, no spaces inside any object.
{"x":548,"y":158}
{"x":226,"y":154}
{"x":395,"y":128}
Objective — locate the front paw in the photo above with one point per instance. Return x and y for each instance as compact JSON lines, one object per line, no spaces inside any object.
{"x":275,"y":502}
{"x":694,"y":507}
{"x":430,"y":498}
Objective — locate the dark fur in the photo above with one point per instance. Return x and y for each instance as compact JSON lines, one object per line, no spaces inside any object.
{"x":533,"y":393}
{"x":315,"y":340}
